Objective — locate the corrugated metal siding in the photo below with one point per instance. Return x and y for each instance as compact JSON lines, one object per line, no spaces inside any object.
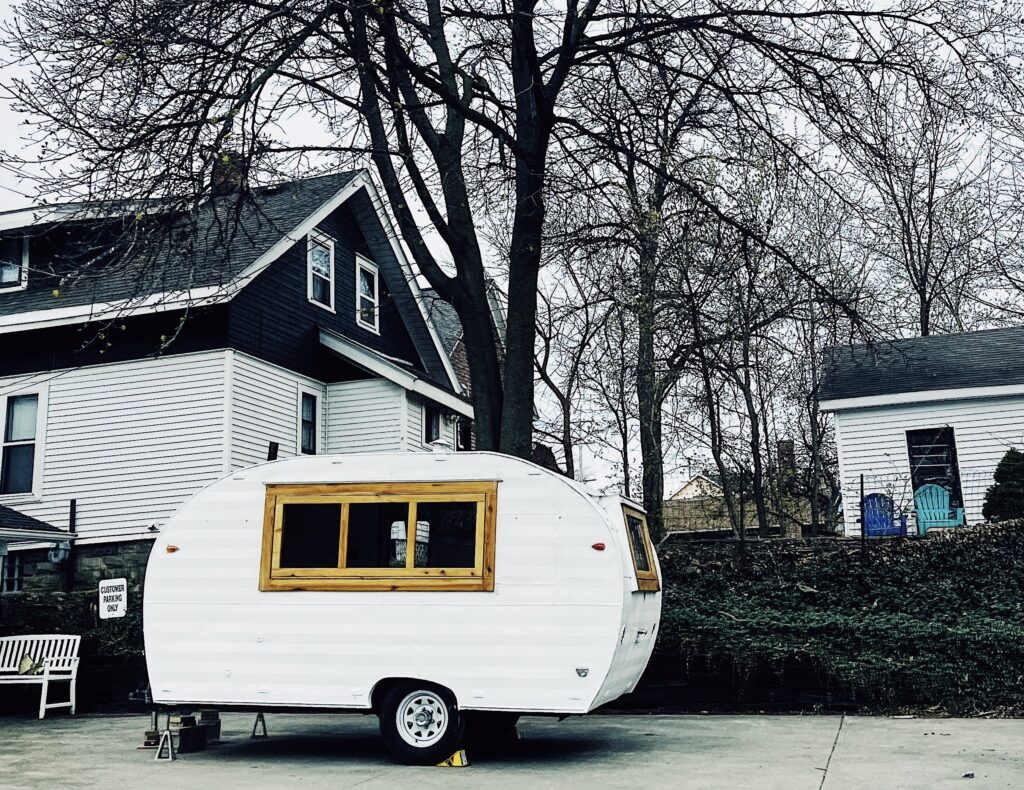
{"x":873,"y":442}
{"x":129,"y":441}
{"x":265,"y":408}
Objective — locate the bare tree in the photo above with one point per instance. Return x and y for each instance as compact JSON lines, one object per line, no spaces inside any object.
{"x":461,"y":108}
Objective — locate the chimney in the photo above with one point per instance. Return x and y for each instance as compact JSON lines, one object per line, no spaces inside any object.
{"x":228,"y":176}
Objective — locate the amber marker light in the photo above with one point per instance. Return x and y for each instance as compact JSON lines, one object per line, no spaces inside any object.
{"x":170,"y":549}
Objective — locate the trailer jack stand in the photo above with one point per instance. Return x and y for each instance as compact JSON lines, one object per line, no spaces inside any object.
{"x":165,"y":738}
{"x":260,"y":722}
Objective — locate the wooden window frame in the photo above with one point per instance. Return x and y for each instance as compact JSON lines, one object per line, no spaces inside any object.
{"x":318,"y":239}
{"x":479,"y":578}
{"x":646,"y":581}
{"x":371,"y":267}
{"x":22,"y":282}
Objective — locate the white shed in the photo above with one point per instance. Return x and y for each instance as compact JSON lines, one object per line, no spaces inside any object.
{"x":431,"y":588}
{"x":938,"y":411}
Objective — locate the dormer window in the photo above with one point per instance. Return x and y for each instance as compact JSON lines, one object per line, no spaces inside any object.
{"x":320,"y":270}
{"x":13,"y":264}
{"x":367,"y":294}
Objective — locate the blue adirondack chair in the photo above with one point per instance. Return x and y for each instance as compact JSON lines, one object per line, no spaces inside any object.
{"x":879,"y":519}
{"x":933,"y":510}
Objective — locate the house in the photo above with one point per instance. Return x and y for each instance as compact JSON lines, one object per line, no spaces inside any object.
{"x":696,"y":487}
{"x":268,"y":323}
{"x":932,"y":411}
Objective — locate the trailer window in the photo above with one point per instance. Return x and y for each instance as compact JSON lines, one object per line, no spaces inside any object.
{"x":308,"y":534}
{"x":641,"y":550}
{"x":386,"y":536}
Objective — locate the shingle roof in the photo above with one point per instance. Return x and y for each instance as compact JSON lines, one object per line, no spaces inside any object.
{"x":209,"y":246}
{"x":971,"y":359}
{"x":11,"y":519}
{"x":445,"y":319}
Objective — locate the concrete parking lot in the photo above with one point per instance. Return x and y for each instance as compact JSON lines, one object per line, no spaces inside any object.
{"x":343,"y":751}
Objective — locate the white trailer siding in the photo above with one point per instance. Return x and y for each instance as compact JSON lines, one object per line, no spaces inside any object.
{"x":873,"y":441}
{"x":265,"y":408}
{"x":129,"y":441}
{"x":364,"y":416}
{"x":544,"y":640}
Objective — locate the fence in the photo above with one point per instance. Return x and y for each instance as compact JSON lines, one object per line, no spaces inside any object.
{"x":952,"y":503}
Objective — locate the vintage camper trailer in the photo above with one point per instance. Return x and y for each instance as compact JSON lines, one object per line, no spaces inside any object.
{"x":444,"y":591}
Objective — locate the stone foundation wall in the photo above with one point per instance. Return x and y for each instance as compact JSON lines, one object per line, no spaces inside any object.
{"x":89,"y":564}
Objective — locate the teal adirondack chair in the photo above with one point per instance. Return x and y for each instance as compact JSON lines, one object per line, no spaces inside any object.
{"x":933,"y":510}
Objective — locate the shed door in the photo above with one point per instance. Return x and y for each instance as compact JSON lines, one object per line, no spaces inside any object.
{"x":932,"y":455}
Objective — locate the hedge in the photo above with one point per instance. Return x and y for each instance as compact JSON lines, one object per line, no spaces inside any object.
{"x":934,"y":623}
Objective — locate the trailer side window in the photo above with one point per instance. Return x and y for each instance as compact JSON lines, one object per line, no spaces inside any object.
{"x":385,"y":536}
{"x":641,"y":550}
{"x":308,"y":534}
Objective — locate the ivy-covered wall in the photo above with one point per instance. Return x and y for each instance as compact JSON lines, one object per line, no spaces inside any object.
{"x":934,"y":623}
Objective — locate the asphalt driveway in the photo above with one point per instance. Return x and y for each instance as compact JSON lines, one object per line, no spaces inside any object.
{"x":343,"y":751}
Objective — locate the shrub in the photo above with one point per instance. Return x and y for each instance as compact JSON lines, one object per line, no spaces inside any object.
{"x":1004,"y":500}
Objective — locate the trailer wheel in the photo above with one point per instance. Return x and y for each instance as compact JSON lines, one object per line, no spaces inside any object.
{"x":420,"y":723}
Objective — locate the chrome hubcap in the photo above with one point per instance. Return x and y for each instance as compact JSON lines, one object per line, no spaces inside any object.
{"x":422,"y":719}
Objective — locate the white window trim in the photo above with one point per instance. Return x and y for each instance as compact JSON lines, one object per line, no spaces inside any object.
{"x":316,"y":238}
{"x":22,"y":283}
{"x":317,"y":419}
{"x":365,"y":263}
{"x":35,"y":495}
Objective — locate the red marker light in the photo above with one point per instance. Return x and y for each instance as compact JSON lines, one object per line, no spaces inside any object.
{"x":598,"y":547}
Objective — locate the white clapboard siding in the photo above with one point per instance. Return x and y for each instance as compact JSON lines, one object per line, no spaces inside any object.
{"x":129,"y":441}
{"x":414,"y":425}
{"x":873,"y":442}
{"x":364,"y":416}
{"x":265,"y":408}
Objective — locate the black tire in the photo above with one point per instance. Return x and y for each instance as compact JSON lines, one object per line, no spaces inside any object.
{"x":438,"y":730}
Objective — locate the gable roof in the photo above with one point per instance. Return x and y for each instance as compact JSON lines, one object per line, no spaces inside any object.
{"x":936,"y":364}
{"x":17,"y":526}
{"x":226,"y":244}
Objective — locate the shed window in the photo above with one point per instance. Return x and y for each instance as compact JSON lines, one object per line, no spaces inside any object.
{"x":386,"y":536}
{"x":367,"y":294}
{"x":320,"y":270}
{"x":13,"y":263}
{"x":641,"y":550}
{"x":17,"y":465}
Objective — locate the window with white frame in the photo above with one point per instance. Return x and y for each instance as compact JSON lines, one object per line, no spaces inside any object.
{"x":11,"y":573}
{"x":20,"y":434}
{"x":307,"y":423}
{"x":13,"y":263}
{"x":320,"y":270}
{"x":367,"y":294}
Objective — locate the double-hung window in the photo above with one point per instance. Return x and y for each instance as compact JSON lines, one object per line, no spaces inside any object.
{"x":379,"y":536}
{"x":307,"y":423}
{"x":13,"y":263}
{"x":367,"y":294}
{"x":11,"y":573}
{"x":320,"y":270}
{"x":18,"y":456}
{"x":431,"y":424}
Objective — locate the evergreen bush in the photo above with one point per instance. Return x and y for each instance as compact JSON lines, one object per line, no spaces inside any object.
{"x":1004,"y":499}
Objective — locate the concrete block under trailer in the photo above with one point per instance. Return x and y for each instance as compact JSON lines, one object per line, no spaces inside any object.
{"x":443,"y":591}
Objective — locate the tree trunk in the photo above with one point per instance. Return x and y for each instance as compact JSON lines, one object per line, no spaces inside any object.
{"x":648,"y":395}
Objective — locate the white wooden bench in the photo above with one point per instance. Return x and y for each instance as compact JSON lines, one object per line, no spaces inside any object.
{"x":58,"y":654}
